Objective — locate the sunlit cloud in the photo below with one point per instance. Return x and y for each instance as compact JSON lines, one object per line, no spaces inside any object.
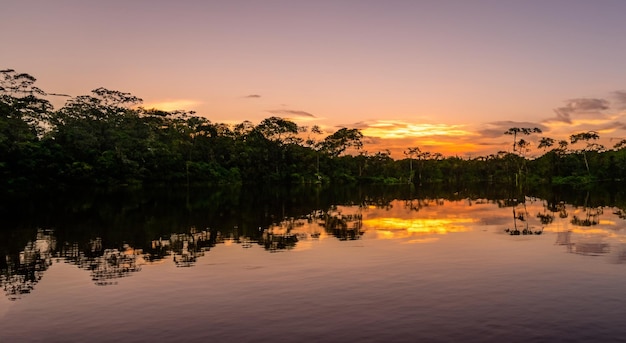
{"x":579,"y":106}
{"x":620,"y":97}
{"x":173,"y":105}
{"x":609,"y":127}
{"x":396,"y":136}
{"x":397,"y":129}
{"x":297,"y":113}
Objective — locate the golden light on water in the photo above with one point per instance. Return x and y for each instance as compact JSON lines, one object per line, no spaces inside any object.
{"x":395,"y":228}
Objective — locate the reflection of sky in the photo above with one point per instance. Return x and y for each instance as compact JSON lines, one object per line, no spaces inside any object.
{"x":440,"y":217}
{"x":417,"y":221}
{"x":467,"y":281}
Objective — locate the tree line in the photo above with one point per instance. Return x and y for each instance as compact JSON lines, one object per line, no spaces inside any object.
{"x":106,"y":139}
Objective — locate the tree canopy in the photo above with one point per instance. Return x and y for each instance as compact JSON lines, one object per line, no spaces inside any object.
{"x":105,"y":138}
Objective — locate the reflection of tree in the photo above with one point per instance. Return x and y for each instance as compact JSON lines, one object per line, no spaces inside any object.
{"x":592,"y":214}
{"x":274,"y":242}
{"x":591,"y":217}
{"x":282,"y":236}
{"x":187,"y":247}
{"x":417,"y":204}
{"x":343,"y":226}
{"x":113,"y":264}
{"x":104,"y":265}
{"x":562,"y":210}
{"x":22,"y":272}
{"x":544,"y":217}
{"x":620,"y":213}
{"x":520,"y":215}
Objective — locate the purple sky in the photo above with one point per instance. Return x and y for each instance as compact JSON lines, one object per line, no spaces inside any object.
{"x":448,"y":76}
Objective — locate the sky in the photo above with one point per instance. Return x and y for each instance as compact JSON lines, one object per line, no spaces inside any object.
{"x":445,"y":76}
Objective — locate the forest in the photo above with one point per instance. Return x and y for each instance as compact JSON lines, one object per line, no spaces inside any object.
{"x":106,"y":139}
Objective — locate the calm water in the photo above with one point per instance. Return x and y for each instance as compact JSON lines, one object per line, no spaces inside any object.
{"x":314,"y":265}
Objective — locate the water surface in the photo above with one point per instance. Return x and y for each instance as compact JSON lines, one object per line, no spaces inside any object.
{"x":300,"y":266}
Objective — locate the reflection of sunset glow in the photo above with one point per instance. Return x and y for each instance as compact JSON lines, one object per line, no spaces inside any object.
{"x":594,"y":231}
{"x":422,"y":240}
{"x":394,"y":228}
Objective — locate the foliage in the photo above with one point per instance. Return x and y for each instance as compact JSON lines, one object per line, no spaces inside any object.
{"x":105,"y":139}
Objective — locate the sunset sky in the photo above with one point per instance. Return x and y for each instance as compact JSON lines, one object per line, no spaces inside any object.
{"x":446,"y":76}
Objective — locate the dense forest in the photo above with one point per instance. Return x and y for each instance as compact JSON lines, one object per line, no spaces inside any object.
{"x":107,"y":139}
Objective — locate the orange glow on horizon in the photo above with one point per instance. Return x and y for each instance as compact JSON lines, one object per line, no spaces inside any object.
{"x":392,"y":129}
{"x":173,"y":105}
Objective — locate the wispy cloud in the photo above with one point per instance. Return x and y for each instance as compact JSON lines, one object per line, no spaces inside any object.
{"x":252,"y":96}
{"x":592,"y":106}
{"x":392,"y":129}
{"x":620,"y":97}
{"x":281,"y":112}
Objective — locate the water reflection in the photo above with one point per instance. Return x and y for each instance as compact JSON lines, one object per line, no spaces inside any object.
{"x":589,"y":234}
{"x":522,"y":218}
{"x":21,"y":273}
{"x":586,"y":229}
{"x":185,"y":248}
{"x":345,"y":223}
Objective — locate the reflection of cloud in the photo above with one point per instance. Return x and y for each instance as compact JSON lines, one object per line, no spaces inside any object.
{"x":579,"y":106}
{"x":422,"y":240}
{"x":411,"y":226}
{"x":291,"y":112}
{"x":173,"y":105}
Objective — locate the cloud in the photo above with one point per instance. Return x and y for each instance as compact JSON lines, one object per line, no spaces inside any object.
{"x":396,"y":129}
{"x":358,"y":125}
{"x":252,"y":96}
{"x":620,"y":96}
{"x":579,"y":106}
{"x":292,"y":113}
{"x":497,"y":128}
{"x":609,"y":127}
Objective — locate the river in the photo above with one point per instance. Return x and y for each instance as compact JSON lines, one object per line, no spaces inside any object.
{"x":314,"y":265}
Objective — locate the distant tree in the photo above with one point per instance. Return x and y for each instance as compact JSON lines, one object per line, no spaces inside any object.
{"x":587,"y":137}
{"x":411,"y":153}
{"x":514,"y":131}
{"x":545,"y":143}
{"x":24,"y":120}
{"x":522,"y":147}
{"x":620,"y":144}
{"x":341,"y":140}
{"x":277,"y":129}
{"x":312,"y":143}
